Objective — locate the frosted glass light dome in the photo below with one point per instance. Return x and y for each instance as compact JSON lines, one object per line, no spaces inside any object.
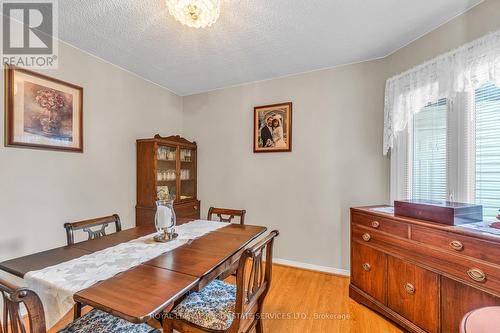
{"x":195,"y":13}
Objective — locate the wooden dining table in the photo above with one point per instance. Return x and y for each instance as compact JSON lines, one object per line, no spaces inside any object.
{"x":145,"y":291}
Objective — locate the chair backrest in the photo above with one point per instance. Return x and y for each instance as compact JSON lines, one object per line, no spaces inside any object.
{"x":12,"y":298}
{"x":226,"y":215}
{"x":253,"y":280}
{"x":102,"y":222}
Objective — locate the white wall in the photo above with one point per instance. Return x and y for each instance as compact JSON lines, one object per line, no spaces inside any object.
{"x":337,"y":157}
{"x":40,"y":190}
{"x":336,"y":160}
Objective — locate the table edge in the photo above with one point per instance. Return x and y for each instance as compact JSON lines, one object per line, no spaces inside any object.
{"x":21,"y":275}
{"x":264,"y":229}
{"x":136,"y":320}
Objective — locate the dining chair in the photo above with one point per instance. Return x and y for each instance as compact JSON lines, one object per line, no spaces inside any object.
{"x":225,"y":307}
{"x":87,"y":225}
{"x":94,"y":321}
{"x":226,"y":215}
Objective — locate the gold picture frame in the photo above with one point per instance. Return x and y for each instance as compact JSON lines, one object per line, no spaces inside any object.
{"x":42,"y":112}
{"x":272,"y":128}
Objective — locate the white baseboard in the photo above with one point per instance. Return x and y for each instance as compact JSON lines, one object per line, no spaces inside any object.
{"x":325,"y":269}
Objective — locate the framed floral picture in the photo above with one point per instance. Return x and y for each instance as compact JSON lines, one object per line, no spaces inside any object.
{"x":42,"y":112}
{"x":272,"y":128}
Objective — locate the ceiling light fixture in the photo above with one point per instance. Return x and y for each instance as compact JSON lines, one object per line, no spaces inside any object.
{"x":195,"y":13}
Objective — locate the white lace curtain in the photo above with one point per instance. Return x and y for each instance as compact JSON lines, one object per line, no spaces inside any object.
{"x":461,"y":70}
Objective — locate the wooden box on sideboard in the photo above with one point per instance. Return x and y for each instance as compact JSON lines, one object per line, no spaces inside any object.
{"x":444,"y":212}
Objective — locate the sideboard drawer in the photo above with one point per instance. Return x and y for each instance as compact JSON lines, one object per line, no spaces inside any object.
{"x":366,"y":235}
{"x":410,"y":289}
{"x":475,"y":273}
{"x":381,"y":224}
{"x":368,"y":270}
{"x":448,"y":241}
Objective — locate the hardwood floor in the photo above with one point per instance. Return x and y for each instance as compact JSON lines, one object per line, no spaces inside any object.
{"x":324,"y":301}
{"x":302,"y":301}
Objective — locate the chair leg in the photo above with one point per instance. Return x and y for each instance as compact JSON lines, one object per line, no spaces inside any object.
{"x":168,"y":326}
{"x":259,"y":327}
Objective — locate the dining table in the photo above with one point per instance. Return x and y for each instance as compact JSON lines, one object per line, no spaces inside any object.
{"x":151,"y":288}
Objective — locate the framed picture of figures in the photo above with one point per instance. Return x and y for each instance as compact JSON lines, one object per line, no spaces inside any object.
{"x":42,"y":112}
{"x":272,"y":128}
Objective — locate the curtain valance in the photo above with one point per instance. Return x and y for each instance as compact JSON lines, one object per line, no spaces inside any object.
{"x":461,"y":70}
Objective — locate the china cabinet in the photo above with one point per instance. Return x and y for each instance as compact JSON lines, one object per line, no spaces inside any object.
{"x":166,"y":169}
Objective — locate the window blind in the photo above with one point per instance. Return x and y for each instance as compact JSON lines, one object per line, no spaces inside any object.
{"x":487,"y":148}
{"x":429,"y":153}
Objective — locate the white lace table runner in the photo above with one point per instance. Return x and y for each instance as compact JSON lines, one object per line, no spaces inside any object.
{"x":57,"y":284}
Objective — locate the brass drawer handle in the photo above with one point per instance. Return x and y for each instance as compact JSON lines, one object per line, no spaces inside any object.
{"x":367,"y":267}
{"x":375,"y":224}
{"x":410,"y":289}
{"x":456,"y":245}
{"x":476,"y":274}
{"x":195,"y":207}
{"x":366,"y":237}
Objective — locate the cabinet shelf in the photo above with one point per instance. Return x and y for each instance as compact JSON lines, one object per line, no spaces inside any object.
{"x":174,"y":180}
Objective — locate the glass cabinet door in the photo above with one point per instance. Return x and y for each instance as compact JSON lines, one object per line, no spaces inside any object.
{"x":166,"y":173}
{"x":187,"y":173}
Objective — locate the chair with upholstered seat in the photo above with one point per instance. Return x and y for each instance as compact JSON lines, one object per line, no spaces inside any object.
{"x":224,"y":307}
{"x":226,"y":215}
{"x":87,"y":225}
{"x":94,"y":321}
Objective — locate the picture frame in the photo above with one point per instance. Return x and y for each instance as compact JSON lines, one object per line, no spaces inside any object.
{"x":42,"y":112}
{"x":272,"y":130}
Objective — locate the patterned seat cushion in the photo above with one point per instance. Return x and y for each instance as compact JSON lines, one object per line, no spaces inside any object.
{"x":213,"y":307}
{"x":97,"y":321}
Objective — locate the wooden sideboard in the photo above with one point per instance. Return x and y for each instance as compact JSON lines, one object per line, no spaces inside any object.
{"x":423,"y":276}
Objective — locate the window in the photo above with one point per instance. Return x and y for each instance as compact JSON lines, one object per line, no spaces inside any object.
{"x":429,"y":175}
{"x":451,"y":150}
{"x":454,"y":156}
{"x":487,"y":148}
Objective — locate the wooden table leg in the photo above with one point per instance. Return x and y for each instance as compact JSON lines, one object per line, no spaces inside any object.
{"x":77,"y":310}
